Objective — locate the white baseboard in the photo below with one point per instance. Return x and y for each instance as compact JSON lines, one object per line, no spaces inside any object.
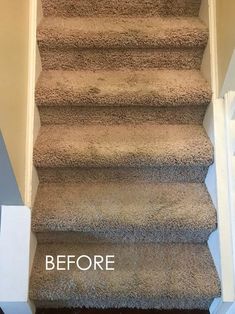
{"x":220,"y":307}
{"x":18,"y":308}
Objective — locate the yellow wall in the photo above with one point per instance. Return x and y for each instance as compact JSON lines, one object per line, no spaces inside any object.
{"x":225,"y":35}
{"x":13,"y":81}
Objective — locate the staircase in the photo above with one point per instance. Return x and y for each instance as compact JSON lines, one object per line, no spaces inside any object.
{"x":122,"y":155}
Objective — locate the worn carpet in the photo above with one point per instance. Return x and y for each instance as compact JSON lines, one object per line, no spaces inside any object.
{"x":122,"y":157}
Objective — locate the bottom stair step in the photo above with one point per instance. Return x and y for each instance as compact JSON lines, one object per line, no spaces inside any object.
{"x":146,"y":276}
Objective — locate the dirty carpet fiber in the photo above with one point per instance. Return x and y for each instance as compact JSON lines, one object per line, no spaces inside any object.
{"x":122,"y":156}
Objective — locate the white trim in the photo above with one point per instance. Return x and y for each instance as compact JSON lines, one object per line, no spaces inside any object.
{"x":217,"y":181}
{"x":15,"y":234}
{"x":230,"y":143}
{"x":231,"y":109}
{"x":33,"y":119}
{"x":30,"y":100}
{"x":17,"y":247}
{"x":223,"y":204}
{"x":18,"y":307}
{"x":213,"y":48}
{"x":220,"y":307}
{"x":205,"y":65}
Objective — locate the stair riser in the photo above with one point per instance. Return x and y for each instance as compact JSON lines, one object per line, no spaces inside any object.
{"x":124,"y":236}
{"x":121,"y":7}
{"x":161,"y":174}
{"x":120,"y":115}
{"x":113,"y":311}
{"x":75,"y":59}
{"x":182,"y":303}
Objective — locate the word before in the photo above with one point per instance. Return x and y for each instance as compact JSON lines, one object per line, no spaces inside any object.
{"x":82,"y":262}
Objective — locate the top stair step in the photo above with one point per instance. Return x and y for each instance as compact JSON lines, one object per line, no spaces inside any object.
{"x":121,"y":7}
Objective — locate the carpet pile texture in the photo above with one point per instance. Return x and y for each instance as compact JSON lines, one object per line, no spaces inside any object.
{"x":122,"y":155}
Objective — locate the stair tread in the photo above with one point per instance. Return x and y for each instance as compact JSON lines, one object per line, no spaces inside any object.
{"x":122,"y":145}
{"x":123,"y":88}
{"x":122,"y":32}
{"x":146,"y":275}
{"x":138,"y":211}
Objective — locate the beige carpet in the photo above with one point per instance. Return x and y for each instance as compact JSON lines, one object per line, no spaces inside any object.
{"x":117,"y":311}
{"x":146,"y":276}
{"x":122,"y":155}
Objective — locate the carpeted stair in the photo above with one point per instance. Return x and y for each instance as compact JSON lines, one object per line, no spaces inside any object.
{"x":146,"y":276}
{"x":122,"y":155}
